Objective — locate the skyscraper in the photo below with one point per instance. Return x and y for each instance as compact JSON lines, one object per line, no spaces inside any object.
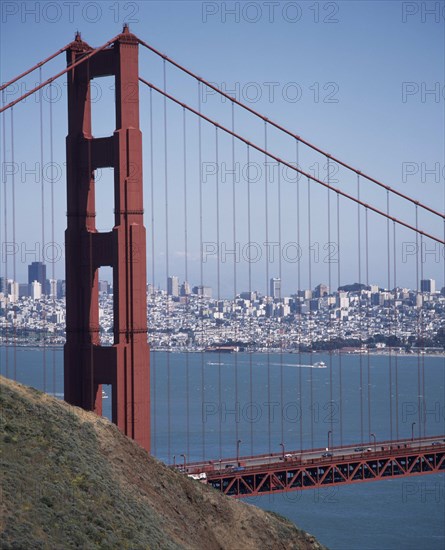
{"x":37,"y":272}
{"x":275,"y":288}
{"x":428,"y":285}
{"x":173,"y":286}
{"x":185,"y":289}
{"x":36,"y":290}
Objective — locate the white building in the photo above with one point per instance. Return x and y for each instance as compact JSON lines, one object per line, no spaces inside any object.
{"x":36,"y":290}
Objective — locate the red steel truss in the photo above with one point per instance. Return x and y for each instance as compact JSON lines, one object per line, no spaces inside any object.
{"x":279,"y":477}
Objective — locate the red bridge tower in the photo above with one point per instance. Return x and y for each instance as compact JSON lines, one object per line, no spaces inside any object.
{"x":125,"y":365}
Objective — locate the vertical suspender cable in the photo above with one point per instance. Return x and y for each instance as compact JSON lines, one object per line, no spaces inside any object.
{"x":419,"y":305}
{"x":153,"y":355}
{"x":368,"y":322}
{"x":300,"y":393}
{"x":200,"y":298}
{"x":218,"y":284}
{"x":340,"y":360}
{"x":167,"y":259}
{"x":234,"y":313}
{"x":359,"y":256}
{"x":187,"y":365}
{"x":42,"y":188}
{"x":14,"y":260}
{"x":331,"y":401}
{"x":280,"y":273}
{"x":53,"y":274}
{"x":311,"y":376}
{"x":422,"y":337}
{"x":396,"y":324}
{"x":266,"y":201}
{"x":388,"y":241}
{"x":251,"y":340}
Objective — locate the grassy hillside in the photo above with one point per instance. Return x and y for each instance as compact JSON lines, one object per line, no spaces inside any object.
{"x":72,"y":480}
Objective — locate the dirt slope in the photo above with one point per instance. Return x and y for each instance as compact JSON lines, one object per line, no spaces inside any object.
{"x":72,"y":480}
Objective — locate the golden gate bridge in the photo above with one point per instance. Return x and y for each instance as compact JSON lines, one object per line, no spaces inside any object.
{"x":221,"y":215}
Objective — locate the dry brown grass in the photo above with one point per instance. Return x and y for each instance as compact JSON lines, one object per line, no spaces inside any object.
{"x":72,"y":480}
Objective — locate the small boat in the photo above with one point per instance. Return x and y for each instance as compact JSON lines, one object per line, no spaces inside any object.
{"x":320,"y":365}
{"x":104,"y":395}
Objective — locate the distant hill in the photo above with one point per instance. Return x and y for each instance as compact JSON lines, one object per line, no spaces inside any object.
{"x":73,"y":480}
{"x":355,"y":287}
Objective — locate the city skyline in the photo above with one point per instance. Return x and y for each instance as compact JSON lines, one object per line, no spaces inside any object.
{"x":356,"y":317}
{"x":173,"y":287}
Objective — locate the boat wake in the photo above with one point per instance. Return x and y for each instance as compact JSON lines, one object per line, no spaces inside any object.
{"x":318,"y":365}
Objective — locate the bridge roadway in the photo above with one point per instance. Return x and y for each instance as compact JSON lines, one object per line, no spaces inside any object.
{"x":287,"y":471}
{"x":312,"y":456}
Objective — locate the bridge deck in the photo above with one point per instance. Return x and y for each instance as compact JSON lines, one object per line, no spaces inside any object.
{"x":252,"y":476}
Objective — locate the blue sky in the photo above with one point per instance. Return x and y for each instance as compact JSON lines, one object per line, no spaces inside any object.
{"x":363,"y":80}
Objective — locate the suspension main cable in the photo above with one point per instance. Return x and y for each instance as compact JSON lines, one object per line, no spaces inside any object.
{"x":59,"y":74}
{"x":286,"y":131}
{"x":33,"y":68}
{"x":292,"y":167}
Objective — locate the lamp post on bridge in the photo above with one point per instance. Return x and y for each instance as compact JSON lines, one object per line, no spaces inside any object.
{"x":237,"y":451}
{"x":329,"y":439}
{"x":174,"y":461}
{"x":375,"y":444}
{"x":282,"y":448}
{"x":412,"y":431}
{"x":184,"y":457}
